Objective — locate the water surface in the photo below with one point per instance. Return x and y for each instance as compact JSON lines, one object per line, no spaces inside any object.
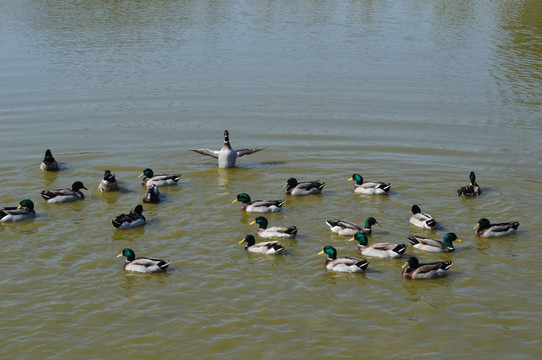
{"x":417,"y":93}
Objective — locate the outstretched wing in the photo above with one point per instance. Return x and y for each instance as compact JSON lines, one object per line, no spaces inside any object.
{"x":244,"y":152}
{"x":208,"y":152}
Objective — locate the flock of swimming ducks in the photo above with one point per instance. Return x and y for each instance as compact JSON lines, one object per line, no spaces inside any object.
{"x":227,"y":157}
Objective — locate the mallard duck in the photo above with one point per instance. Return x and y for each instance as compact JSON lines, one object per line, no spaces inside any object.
{"x":152,"y":195}
{"x":226,"y":156}
{"x":108,"y":183}
{"x":49,"y":163}
{"x":369,"y":187}
{"x":267,"y":248}
{"x":142,"y":264}
{"x":350,"y":229}
{"x":379,"y":250}
{"x":274,"y":231}
{"x":412,"y":269}
{"x":149,"y":179}
{"x":263,"y":206}
{"x":472,"y":189}
{"x":485,"y":229}
{"x":293,"y":187}
{"x":64,"y":195}
{"x":25,"y":210}
{"x":132,"y":219}
{"x":434,"y":245}
{"x":422,"y":220}
{"x":342,"y":264}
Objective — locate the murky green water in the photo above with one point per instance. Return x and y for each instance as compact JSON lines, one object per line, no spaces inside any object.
{"x":417,"y":93}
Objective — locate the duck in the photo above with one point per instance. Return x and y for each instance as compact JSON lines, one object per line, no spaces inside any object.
{"x":422,"y":220}
{"x":132,"y":219}
{"x":64,"y":195}
{"x":25,"y":210}
{"x":350,"y":229}
{"x":293,"y":187}
{"x":109,"y":182}
{"x":274,"y":231}
{"x":472,"y":189}
{"x":345,"y":264}
{"x":380,"y":250}
{"x":149,"y":179}
{"x":485,"y":229}
{"x":263,"y":206}
{"x":267,"y":248}
{"x":369,"y":187}
{"x":226,"y":155}
{"x":49,"y":163}
{"x":152,"y":195}
{"x":412,"y":269}
{"x":434,"y":245}
{"x":142,"y":264}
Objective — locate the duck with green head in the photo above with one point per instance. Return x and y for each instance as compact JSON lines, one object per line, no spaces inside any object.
{"x":472,"y":189}
{"x":380,"y":250}
{"x":274,"y":231}
{"x":434,"y":245}
{"x":345,"y":264}
{"x":25,"y":210}
{"x":369,"y":187}
{"x":267,"y":247}
{"x":346,"y":228}
{"x":65,"y":195}
{"x":293,"y":187}
{"x":413,"y":270}
{"x":262,"y":206}
{"x":486,"y":229}
{"x":149,"y":179}
{"x":142,"y":264}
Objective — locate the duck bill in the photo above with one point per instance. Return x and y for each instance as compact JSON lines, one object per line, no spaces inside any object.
{"x":19,"y":207}
{"x":253,"y":222}
{"x":404,"y":265}
{"x":234,"y":201}
{"x":477,"y":227}
{"x":352,"y":239}
{"x":321,"y":252}
{"x":242,"y":241}
{"x":119,"y":255}
{"x":140,"y":176}
{"x":458,"y":240}
{"x":350,"y":179}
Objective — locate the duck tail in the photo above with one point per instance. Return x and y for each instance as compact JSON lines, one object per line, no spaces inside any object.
{"x":332,"y":223}
{"x":400,"y":249}
{"x":292,"y":230}
{"x":46,"y":194}
{"x":362,"y":264}
{"x":413,"y":240}
{"x":163,"y":265}
{"x":278,"y":247}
